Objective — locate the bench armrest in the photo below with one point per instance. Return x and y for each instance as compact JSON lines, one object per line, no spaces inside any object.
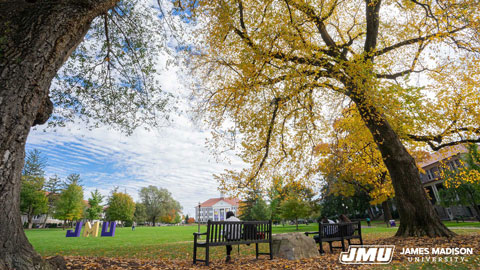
{"x":308,"y":233}
{"x":196,"y":233}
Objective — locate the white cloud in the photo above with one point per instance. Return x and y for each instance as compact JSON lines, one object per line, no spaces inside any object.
{"x":174,"y":157}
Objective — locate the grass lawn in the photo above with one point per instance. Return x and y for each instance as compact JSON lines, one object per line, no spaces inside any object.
{"x":172,"y":242}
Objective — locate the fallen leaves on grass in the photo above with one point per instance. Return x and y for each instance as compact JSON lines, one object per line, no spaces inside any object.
{"x":329,"y":261}
{"x":326,"y":261}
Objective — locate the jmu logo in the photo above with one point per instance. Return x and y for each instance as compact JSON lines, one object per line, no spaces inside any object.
{"x":368,"y":254}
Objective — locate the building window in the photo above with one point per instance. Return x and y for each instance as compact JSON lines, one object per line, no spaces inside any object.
{"x":430,"y":175}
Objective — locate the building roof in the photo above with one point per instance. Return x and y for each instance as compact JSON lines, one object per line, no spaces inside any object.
{"x":443,"y":154}
{"x":213,"y":201}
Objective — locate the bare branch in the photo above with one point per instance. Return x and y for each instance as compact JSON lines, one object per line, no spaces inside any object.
{"x":418,"y":40}
{"x":274,"y":102}
{"x":310,"y":12}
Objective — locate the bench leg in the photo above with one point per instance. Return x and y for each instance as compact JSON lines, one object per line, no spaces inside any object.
{"x":195,"y":253}
{"x":270,"y":248}
{"x":349,"y":242}
{"x":331,"y":248}
{"x":256,"y":250}
{"x":207,"y":255}
{"x":321,"y":247}
{"x":343,"y":245}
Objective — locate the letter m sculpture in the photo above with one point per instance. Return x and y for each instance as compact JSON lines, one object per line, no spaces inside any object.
{"x":91,"y":230}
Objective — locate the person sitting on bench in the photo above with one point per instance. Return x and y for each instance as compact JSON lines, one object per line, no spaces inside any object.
{"x":349,"y":230}
{"x":327,"y":233}
{"x":230,"y":234}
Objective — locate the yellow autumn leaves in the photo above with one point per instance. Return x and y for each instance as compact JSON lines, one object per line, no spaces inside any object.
{"x":352,"y":163}
{"x":464,"y":175}
{"x":278,"y":79}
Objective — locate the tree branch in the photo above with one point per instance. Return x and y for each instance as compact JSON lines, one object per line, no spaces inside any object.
{"x":274,"y":102}
{"x":373,"y":20}
{"x":435,"y":141}
{"x":310,"y":12}
{"x":416,"y":40}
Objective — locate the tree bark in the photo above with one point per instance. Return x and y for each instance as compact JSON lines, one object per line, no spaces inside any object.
{"x":387,"y":214}
{"x":35,"y":40}
{"x":417,"y":215}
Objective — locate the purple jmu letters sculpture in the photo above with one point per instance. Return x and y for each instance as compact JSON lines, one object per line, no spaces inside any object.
{"x":104,"y":233}
{"x":75,"y":233}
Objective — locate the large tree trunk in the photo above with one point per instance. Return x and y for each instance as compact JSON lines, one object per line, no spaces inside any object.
{"x":417,"y":215}
{"x":35,"y":40}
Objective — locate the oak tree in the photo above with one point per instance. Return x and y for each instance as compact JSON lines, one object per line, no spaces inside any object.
{"x":159,"y":204}
{"x":109,"y":77}
{"x":278,"y":71}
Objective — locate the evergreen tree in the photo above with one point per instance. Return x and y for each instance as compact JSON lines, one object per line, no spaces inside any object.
{"x":33,"y":200}
{"x":95,"y":207}
{"x":35,"y":163}
{"x":53,"y":188}
{"x":73,"y":178}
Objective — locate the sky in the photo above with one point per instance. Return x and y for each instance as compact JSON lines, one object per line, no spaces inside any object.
{"x":174,"y":157}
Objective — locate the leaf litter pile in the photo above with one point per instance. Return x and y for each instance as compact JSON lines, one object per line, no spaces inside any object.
{"x":325,"y":261}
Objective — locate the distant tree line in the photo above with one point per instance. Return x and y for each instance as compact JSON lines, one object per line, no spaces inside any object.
{"x":64,"y":199}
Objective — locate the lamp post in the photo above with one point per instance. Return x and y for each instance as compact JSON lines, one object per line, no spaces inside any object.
{"x":198,"y":221}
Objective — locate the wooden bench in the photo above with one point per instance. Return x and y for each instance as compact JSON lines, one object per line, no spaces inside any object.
{"x":337,"y":232}
{"x":223,"y":233}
